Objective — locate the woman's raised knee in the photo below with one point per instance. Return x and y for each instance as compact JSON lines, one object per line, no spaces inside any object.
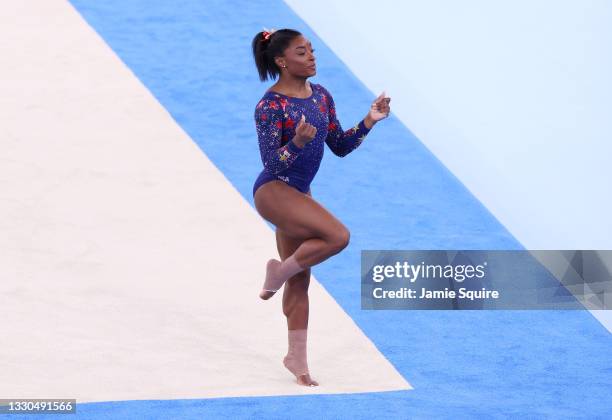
{"x":339,"y":240}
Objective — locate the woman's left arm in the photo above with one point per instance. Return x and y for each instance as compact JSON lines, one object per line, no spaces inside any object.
{"x":342,"y":142}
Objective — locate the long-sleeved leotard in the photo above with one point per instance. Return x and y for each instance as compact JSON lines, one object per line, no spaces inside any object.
{"x":277,"y":116}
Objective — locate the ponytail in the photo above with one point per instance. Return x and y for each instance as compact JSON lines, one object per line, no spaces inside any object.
{"x":268,"y":46}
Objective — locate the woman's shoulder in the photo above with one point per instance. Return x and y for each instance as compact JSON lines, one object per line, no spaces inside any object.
{"x":269,"y":96}
{"x":321,"y":89}
{"x":269,"y":100}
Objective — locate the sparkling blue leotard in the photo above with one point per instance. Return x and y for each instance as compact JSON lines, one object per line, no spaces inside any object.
{"x":276,"y":117}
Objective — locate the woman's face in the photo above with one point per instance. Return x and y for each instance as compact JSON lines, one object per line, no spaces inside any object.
{"x":299,"y":58}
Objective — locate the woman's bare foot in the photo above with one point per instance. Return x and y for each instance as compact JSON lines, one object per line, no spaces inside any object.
{"x":306,"y":380}
{"x":302,"y":378}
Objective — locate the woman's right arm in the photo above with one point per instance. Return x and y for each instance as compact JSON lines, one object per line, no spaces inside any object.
{"x":269,"y":126}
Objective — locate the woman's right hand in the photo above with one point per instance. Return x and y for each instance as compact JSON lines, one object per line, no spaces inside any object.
{"x":304,"y":132}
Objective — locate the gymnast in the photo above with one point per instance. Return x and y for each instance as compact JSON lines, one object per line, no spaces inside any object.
{"x":293,"y":120}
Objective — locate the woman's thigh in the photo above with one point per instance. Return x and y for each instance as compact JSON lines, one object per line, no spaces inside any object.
{"x":287,"y":245}
{"x":296,"y":214}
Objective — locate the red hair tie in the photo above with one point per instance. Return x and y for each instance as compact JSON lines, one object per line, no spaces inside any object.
{"x":267,"y":33}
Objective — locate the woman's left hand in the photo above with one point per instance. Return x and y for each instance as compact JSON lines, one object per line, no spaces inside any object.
{"x":380,"y":108}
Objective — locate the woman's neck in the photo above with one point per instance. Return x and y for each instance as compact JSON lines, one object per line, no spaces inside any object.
{"x":293,"y":86}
